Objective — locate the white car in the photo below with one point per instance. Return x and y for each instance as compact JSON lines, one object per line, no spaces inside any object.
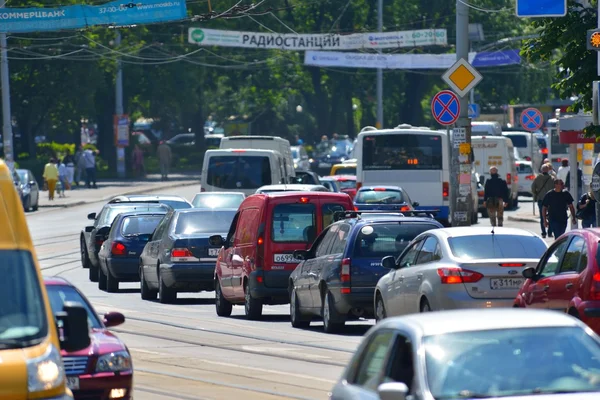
{"x":512,"y":354}
{"x":455,"y":268}
{"x":526,"y":177}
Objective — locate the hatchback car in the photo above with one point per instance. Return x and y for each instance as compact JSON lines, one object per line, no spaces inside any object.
{"x":175,"y":202}
{"x":384,"y":198}
{"x":475,"y":354}
{"x":104,"y":369}
{"x":30,"y":190}
{"x":218,"y":199}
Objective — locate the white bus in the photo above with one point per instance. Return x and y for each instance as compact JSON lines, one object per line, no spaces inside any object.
{"x":416,"y":159}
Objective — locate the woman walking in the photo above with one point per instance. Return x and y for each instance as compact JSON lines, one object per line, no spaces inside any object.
{"x":51,"y":177}
{"x":69,"y":162}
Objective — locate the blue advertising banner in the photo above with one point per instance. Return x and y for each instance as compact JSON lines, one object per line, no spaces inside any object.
{"x":115,"y":13}
{"x":496,"y":58}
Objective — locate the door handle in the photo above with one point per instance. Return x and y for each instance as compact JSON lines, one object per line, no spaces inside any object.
{"x":546,"y":287}
{"x":569,"y":285}
{"x":419,"y":276}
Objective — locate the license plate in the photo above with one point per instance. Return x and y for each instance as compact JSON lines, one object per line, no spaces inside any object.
{"x":506,"y":283}
{"x":324,"y":165}
{"x":285,"y":258}
{"x":213,"y":252}
{"x":73,"y":382}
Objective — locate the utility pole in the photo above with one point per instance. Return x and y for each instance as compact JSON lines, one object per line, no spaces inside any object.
{"x":379,"y":123}
{"x":7,"y":134}
{"x":121,"y":172}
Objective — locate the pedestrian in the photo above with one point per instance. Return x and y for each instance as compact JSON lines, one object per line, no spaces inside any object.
{"x":51,"y":177}
{"x":563,"y":170}
{"x":323,"y":146}
{"x":299,"y":141}
{"x":80,"y":166}
{"x":495,"y":197}
{"x":551,"y":170}
{"x":587,"y":210}
{"x":579,"y":181}
{"x":62,"y":177}
{"x":541,"y":185}
{"x":90,"y":168}
{"x":138,"y":162}
{"x":69,"y":161}
{"x":164,"y":159}
{"x":555,"y":206}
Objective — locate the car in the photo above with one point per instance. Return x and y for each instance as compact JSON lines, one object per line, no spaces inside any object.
{"x":337,"y":276}
{"x":384,"y":198}
{"x":526,"y":175}
{"x":567,"y":278}
{"x":306,"y":177}
{"x":290,"y":188}
{"x":527,"y":145}
{"x":454,"y":268}
{"x":92,"y":236}
{"x":104,"y":369}
{"x":330,"y":183}
{"x":119,"y":255}
{"x":30,"y":190}
{"x":301,"y":159}
{"x":256,"y":259}
{"x":218,"y":199}
{"x":345,"y":168}
{"x":179,"y":258}
{"x":175,"y":202}
{"x":345,"y":183}
{"x":337,"y":152}
{"x":182,"y":140}
{"x":470,"y":354}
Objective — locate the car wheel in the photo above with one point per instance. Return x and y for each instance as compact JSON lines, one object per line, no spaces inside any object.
{"x":93,"y":273}
{"x":252,"y":307}
{"x":332,"y":320}
{"x":222,"y":305}
{"x":145,"y":291}
{"x":112,"y":283}
{"x":85,"y":260}
{"x":425,"y":307}
{"x":165,"y":294}
{"x":380,"y":313}
{"x":27,"y":203}
{"x":474,"y":218}
{"x":37,"y":204}
{"x":296,"y":318}
{"x":102,"y":280}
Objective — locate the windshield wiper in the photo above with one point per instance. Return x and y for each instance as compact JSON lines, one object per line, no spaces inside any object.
{"x":466,"y":394}
{"x":12,"y":343}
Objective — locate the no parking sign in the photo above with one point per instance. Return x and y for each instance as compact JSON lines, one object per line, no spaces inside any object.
{"x":445,"y":107}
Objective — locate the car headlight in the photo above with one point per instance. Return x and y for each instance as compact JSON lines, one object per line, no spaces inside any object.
{"x":26,"y":189}
{"x":45,"y":372}
{"x":118,"y":361}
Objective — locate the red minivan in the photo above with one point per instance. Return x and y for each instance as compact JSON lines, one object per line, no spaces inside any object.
{"x":256,"y":259}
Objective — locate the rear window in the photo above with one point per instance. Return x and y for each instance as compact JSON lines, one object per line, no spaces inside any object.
{"x":209,"y":221}
{"x":139,"y":225}
{"x":328,"y":211}
{"x":218,"y":200}
{"x":519,"y":141}
{"x":239,"y":172}
{"x":380,"y":197}
{"x":524,"y":169}
{"x":346,"y":171}
{"x":386,"y":239}
{"x":348,"y":184}
{"x":112,"y":213}
{"x":176,"y":204}
{"x":293,"y":223}
{"x":496,"y":246}
{"x":542,"y":143}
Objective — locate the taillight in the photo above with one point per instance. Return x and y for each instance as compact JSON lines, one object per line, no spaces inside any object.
{"x":182,"y":255}
{"x":405,"y":208}
{"x":355,"y":208}
{"x":544,"y":151}
{"x":595,"y":289}
{"x":451,"y":276}
{"x":512,"y":264}
{"x":118,"y":249}
{"x":530,"y":177}
{"x":345,"y":273}
{"x":508,"y":179}
{"x":445,"y":190}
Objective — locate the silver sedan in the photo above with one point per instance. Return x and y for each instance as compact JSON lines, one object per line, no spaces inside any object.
{"x":455,"y":268}
{"x":513,"y":354}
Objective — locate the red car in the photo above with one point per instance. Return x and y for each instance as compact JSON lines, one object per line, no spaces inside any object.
{"x":346,"y":183}
{"x":567,"y":278}
{"x":104,"y":370}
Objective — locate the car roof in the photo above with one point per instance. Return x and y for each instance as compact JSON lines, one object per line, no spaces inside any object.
{"x":141,"y":197}
{"x":136,"y":204}
{"x":219,"y":193}
{"x":382,"y":187}
{"x":199,"y":210}
{"x":454,"y":321}
{"x":290,"y":187}
{"x":56,"y":281}
{"x":524,"y":162}
{"x":481,"y":230}
{"x":341,"y":177}
{"x":294,"y":195}
{"x":142,"y":214}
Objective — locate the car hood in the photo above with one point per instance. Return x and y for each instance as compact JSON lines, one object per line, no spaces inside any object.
{"x":102,"y":342}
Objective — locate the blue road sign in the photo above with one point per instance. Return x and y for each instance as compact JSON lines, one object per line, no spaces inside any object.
{"x":532,"y":119}
{"x":474,"y":111}
{"x":541,"y":8}
{"x":445,"y":107}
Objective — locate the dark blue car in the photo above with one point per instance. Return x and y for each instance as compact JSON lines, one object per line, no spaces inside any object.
{"x":119,"y":254}
{"x":337,"y":278}
{"x":383,"y":198}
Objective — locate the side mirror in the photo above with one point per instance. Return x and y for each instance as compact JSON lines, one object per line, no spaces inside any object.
{"x":302,"y":255}
{"x":91,"y":216}
{"x":216,"y":240}
{"x":389,"y":262}
{"x":530,"y":273}
{"x":73,"y":325}
{"x":392,"y":391}
{"x":32,"y":183}
{"x":113,"y":319}
{"x":89,"y":229}
{"x":416,"y":204}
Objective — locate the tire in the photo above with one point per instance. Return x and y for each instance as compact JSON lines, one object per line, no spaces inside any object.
{"x":165,"y":294}
{"x":296,"y":318}
{"x":145,"y":291}
{"x":112,"y":283}
{"x":474,"y":217}
{"x":331,"y":316}
{"x":102,"y":279}
{"x":222,"y":305}
{"x":27,"y":203}
{"x":85,"y":260}
{"x":252,"y":307}
{"x":425,"y":307}
{"x":37,"y":204}
{"x":93,"y":273}
{"x":380,"y":313}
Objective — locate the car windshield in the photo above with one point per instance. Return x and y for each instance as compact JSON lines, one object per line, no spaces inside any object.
{"x":512,"y":362}
{"x":385,"y":196}
{"x":140,"y":225}
{"x":378,"y":240}
{"x":295,"y":223}
{"x":208,"y":200}
{"x":204,"y":222}
{"x":519,"y":141}
{"x":345,"y":171}
{"x":22,"y":311}
{"x":22,"y":176}
{"x":113,"y":212}
{"x":58,"y":294}
{"x":480,"y":247}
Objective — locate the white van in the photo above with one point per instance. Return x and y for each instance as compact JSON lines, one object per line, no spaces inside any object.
{"x":528,"y":147}
{"x":241,"y":170}
{"x":282,"y":146}
{"x":486,"y":128}
{"x":497,"y":151}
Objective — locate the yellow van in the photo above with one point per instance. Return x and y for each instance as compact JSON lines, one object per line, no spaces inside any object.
{"x":346,"y":168}
{"x":30,"y":363}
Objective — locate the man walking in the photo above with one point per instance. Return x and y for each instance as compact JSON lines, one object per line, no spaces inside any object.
{"x":90,"y":168}
{"x":495,"y":197}
{"x":164,"y":159}
{"x":541,"y":185}
{"x":555,"y":206}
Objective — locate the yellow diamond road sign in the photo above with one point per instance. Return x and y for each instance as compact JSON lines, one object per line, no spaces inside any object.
{"x":462,"y":77}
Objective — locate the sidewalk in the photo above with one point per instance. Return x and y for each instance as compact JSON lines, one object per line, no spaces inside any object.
{"x":524,"y":216}
{"x":109,"y":189}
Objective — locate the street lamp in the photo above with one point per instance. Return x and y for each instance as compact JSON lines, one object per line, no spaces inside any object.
{"x":299,"y":108}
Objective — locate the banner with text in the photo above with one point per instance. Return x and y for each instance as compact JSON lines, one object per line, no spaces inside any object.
{"x":355,"y":41}
{"x":115,"y":13}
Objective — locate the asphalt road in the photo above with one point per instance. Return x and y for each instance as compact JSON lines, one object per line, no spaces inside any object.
{"x":184,"y":351}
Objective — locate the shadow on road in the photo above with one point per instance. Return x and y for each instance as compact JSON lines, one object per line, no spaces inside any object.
{"x":348,"y":330}
{"x":128,"y":291}
{"x":267,"y":317}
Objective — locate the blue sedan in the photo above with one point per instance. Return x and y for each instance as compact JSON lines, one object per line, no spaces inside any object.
{"x":383,"y":198}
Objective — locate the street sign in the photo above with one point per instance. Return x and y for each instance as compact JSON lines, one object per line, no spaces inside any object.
{"x":445,"y":107}
{"x":474,"y":111}
{"x":462,"y":77}
{"x":532,"y":119}
{"x":541,"y":8}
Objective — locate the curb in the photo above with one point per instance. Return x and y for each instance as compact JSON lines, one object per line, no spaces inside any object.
{"x":523,"y":219}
